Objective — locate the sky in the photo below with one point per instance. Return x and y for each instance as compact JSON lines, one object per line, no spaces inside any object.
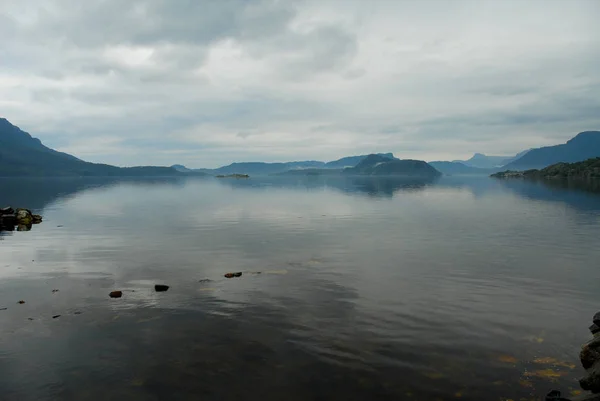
{"x":206,"y":83}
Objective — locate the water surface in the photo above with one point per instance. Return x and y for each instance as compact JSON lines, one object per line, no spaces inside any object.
{"x":369,"y":289}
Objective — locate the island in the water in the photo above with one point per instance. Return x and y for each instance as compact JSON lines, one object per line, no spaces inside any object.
{"x":588,"y":169}
{"x":238,"y":176}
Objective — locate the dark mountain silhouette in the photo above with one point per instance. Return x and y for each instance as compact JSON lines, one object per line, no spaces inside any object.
{"x":23,"y":155}
{"x":352,"y":161}
{"x":382,"y":165}
{"x":585,"y":145}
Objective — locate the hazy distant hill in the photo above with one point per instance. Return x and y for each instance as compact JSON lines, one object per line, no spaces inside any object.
{"x":585,"y":145}
{"x":382,"y":166}
{"x":260,"y":168}
{"x":458,"y":168}
{"x":23,"y":155}
{"x":479,"y":160}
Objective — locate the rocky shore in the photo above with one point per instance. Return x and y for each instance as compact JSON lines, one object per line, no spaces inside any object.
{"x":20,"y":219}
{"x":588,"y":169}
{"x":590,"y":360}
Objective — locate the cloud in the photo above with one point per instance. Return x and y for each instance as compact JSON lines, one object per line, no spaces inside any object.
{"x":206,"y":83}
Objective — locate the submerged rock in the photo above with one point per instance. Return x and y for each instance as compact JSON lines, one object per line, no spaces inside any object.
{"x":116,"y":294}
{"x":205,"y":280}
{"x":21,"y":302}
{"x":56,"y":316}
{"x":231,"y":275}
{"x":161,"y":288}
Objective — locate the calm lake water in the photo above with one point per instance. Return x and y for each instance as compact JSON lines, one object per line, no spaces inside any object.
{"x":370,"y":289}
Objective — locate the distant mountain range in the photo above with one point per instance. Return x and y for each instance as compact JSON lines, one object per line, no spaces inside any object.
{"x":262,"y":168}
{"x":23,"y":155}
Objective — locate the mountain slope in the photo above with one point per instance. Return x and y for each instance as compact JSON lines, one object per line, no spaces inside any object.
{"x":23,"y":155}
{"x":585,"y":145}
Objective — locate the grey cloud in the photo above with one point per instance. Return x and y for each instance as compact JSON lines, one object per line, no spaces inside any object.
{"x":97,"y":23}
{"x":287,"y":79}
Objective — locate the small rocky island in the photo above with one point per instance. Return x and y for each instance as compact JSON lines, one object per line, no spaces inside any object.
{"x":21,"y":219}
{"x":588,"y":169}
{"x":238,"y":176}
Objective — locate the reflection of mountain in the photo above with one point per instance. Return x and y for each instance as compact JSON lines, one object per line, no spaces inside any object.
{"x":37,"y":193}
{"x":372,"y":186}
{"x":577,"y":194}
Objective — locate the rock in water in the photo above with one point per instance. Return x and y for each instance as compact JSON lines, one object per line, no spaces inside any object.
{"x":229,"y":275}
{"x":238,"y":274}
{"x":597,"y":318}
{"x":24,"y":217}
{"x":8,"y":220}
{"x":36,"y":218}
{"x":116,"y":294}
{"x":6,"y":210}
{"x":21,"y":302}
{"x":161,"y":287}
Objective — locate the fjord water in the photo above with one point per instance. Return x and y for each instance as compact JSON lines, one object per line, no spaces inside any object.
{"x":370,"y":289}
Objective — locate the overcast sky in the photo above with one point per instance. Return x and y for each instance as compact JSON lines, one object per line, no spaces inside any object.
{"x":206,"y":83}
